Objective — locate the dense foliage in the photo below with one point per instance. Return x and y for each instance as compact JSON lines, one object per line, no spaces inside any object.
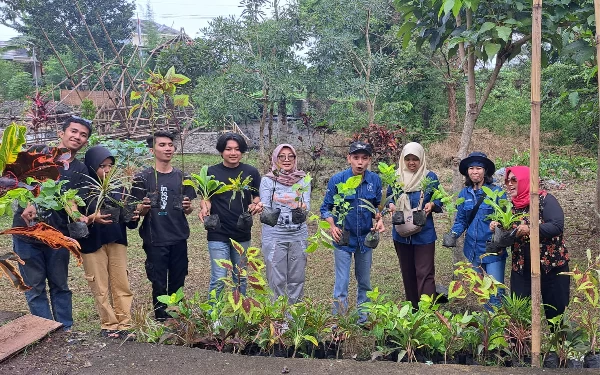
{"x":354,"y":63}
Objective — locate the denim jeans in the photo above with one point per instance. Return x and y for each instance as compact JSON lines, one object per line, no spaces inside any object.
{"x":43,"y":263}
{"x":362,"y":271}
{"x":224,"y":250}
{"x":496,"y":269}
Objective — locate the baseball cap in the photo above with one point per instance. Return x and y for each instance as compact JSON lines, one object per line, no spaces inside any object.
{"x":360,"y":147}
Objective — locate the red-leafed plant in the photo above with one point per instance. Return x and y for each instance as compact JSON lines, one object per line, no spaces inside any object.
{"x":386,"y":143}
{"x":10,"y":272}
{"x":38,"y":114}
{"x":49,"y":236}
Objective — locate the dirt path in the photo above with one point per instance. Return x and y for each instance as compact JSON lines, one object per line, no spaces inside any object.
{"x":80,"y":353}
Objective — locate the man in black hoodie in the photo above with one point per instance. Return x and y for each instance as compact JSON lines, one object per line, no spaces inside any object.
{"x":42,"y":262}
{"x":104,"y":252}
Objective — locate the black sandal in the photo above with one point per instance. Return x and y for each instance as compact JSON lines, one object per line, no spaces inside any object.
{"x":109,"y":333}
{"x":125,"y":335}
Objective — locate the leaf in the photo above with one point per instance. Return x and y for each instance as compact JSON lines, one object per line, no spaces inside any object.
{"x":324,"y":224}
{"x":504,"y":32}
{"x":235,"y":299}
{"x":134,"y":108}
{"x":312,"y":247}
{"x":574,"y":98}
{"x":448,"y":5}
{"x":12,"y":141}
{"x":135,"y":95}
{"x":49,"y":236}
{"x":239,"y":248}
{"x":10,"y":271}
{"x":224,"y":263}
{"x":486,"y":26}
{"x":181,"y":100}
{"x":491,"y":49}
{"x":312,"y":339}
{"x":253,"y":251}
{"x":456,"y":290}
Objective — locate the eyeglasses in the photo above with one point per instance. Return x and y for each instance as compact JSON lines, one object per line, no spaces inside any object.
{"x":286,"y":157}
{"x":513,"y":180}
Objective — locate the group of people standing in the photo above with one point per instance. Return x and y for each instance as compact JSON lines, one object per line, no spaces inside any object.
{"x":164,"y":229}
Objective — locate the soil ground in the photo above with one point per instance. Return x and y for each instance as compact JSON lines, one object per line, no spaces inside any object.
{"x":83,"y":353}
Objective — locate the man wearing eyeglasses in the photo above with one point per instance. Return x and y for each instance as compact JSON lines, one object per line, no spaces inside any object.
{"x":42,"y":262}
{"x":231,"y":146}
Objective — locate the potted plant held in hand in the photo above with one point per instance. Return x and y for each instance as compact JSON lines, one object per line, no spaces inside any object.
{"x":270,"y":215}
{"x":504,"y":234}
{"x":449,"y":202}
{"x":419,"y":216}
{"x":389,"y":178}
{"x":372,"y":239}
{"x":341,"y":207}
{"x":300,"y":213}
{"x":206,"y":186}
{"x":104,"y":192}
{"x":241,"y":186}
{"x":51,"y":198}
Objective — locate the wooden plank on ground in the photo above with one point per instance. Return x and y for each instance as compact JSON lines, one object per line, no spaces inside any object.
{"x":8,"y":316}
{"x":22,"y":332}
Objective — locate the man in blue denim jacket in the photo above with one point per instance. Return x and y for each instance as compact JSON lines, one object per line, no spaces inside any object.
{"x":359,"y":222}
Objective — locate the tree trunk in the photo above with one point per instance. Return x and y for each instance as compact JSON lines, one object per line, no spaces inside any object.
{"x":263,"y":118}
{"x":271,"y":110}
{"x":282,"y":115}
{"x":371,"y":111}
{"x":452,"y":107}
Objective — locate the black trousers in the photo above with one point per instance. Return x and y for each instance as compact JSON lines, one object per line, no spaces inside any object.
{"x":417,"y":265}
{"x":166,"y":268}
{"x":555,"y":288}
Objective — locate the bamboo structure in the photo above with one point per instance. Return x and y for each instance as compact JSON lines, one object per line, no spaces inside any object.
{"x":597,"y":18}
{"x":534,"y":164}
{"x":114,"y":78}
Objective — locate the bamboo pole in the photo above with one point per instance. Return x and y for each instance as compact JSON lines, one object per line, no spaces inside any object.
{"x":534,"y":199}
{"x":597,"y":17}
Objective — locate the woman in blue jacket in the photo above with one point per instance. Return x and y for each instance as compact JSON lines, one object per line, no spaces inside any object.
{"x":416,"y":252}
{"x":478,"y":171}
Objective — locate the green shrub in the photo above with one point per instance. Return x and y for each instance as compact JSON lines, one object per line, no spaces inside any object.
{"x":20,"y":86}
{"x":556,"y":166}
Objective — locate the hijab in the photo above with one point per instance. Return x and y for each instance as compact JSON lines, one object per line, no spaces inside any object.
{"x":283,"y":177}
{"x":522,"y":175}
{"x":411,"y":180}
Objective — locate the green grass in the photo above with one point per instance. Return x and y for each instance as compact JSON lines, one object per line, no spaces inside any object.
{"x":319,"y":273}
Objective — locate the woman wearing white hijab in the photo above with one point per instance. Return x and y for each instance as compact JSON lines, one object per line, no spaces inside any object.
{"x":416,"y":252}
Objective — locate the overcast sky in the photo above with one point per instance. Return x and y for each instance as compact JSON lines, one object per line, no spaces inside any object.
{"x":192,"y":15}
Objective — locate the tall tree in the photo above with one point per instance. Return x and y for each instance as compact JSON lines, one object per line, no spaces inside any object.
{"x":150,"y":28}
{"x":351,"y":44}
{"x":61,"y":19}
{"x":483,"y":33}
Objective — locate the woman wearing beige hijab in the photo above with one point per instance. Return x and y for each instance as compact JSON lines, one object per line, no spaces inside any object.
{"x":416,"y":251}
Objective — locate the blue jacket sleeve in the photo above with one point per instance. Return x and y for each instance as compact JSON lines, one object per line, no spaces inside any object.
{"x":378,"y":192}
{"x":438,"y":203}
{"x":327,"y":205}
{"x":460,"y":222}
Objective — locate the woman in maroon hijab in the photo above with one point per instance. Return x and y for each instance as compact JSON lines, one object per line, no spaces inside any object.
{"x":554,"y":257}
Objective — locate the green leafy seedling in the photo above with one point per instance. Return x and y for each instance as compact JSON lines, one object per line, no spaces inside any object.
{"x":205,"y":185}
